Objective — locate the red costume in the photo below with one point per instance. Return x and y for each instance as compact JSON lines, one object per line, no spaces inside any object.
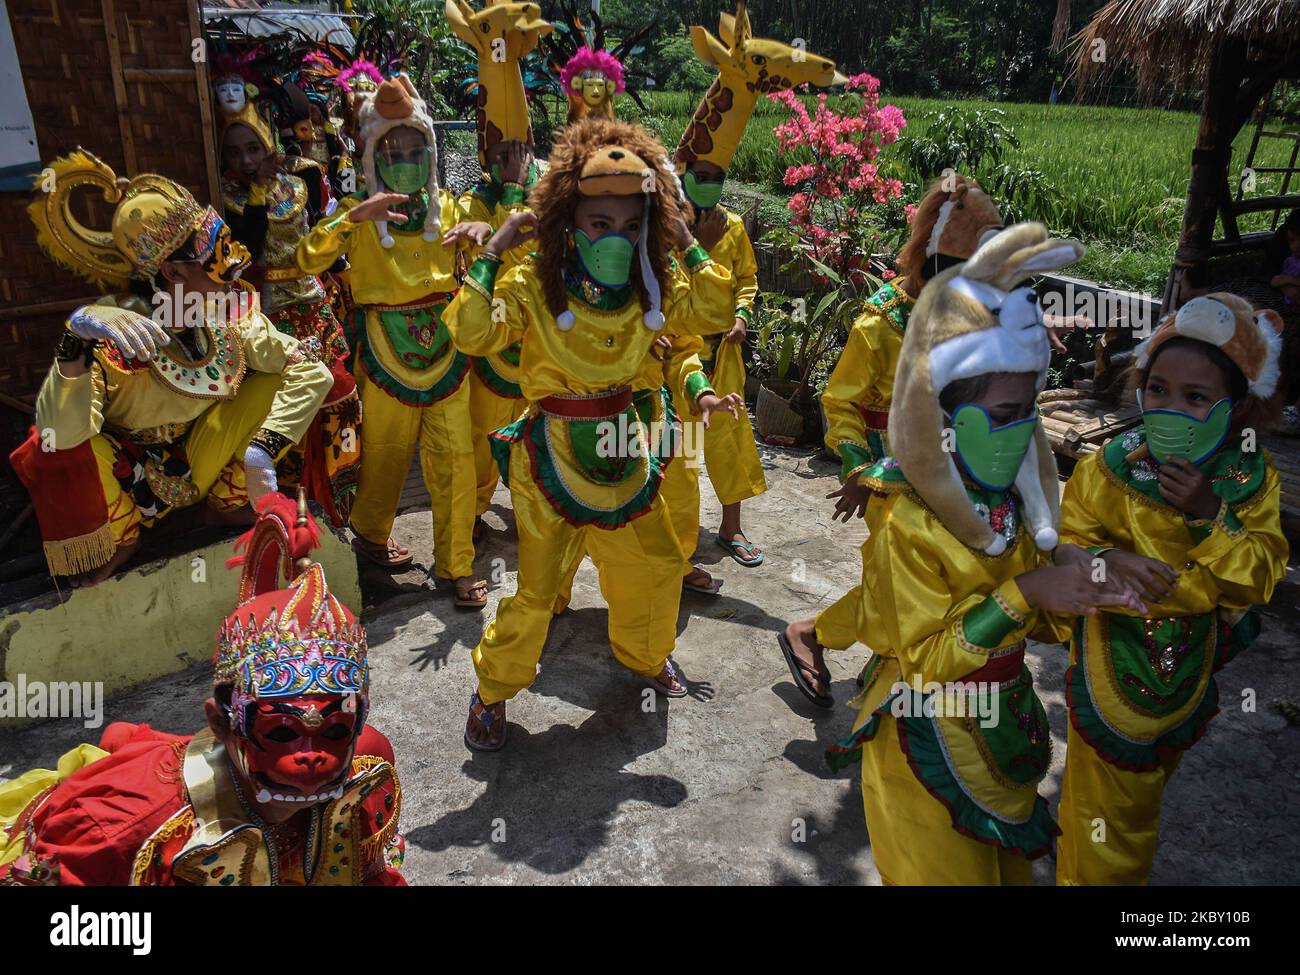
{"x":161,"y":809}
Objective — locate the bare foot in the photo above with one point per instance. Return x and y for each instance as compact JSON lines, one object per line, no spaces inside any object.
{"x":84,"y":580}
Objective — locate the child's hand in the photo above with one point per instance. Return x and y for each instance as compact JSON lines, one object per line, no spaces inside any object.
{"x":518,"y":228}
{"x":710,"y":403}
{"x":475,"y":232}
{"x":1067,"y":554}
{"x":711,"y":228}
{"x":1184,"y":486}
{"x":379,"y":207}
{"x":1069,"y":590}
{"x":853,"y":498}
{"x":1151,"y":578}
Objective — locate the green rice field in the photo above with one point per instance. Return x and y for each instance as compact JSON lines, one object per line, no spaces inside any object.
{"x":1117,"y":176}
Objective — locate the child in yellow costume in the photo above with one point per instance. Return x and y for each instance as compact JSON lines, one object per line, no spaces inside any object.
{"x":410,"y":374}
{"x":578,"y":464}
{"x":952,"y":738}
{"x":1185,"y":509}
{"x":747,"y":66}
{"x":949,"y":225}
{"x":501,"y":34}
{"x":153,"y":405}
{"x":673,"y":390}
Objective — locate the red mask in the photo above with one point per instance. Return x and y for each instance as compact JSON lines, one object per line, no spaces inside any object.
{"x":299,"y":749}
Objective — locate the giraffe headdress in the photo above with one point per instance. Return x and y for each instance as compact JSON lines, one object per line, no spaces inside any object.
{"x":748,"y":66}
{"x":502,"y":33}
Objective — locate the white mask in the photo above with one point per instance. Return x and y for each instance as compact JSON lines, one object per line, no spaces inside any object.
{"x":230,"y":95}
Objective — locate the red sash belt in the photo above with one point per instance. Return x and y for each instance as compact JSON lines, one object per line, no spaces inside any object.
{"x":1002,"y":669}
{"x":601,"y":406}
{"x":876,"y":419}
{"x":433,"y":298}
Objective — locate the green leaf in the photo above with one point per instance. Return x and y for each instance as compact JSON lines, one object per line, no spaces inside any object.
{"x":783,"y":358}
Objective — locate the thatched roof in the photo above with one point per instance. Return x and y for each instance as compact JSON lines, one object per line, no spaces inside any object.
{"x":1170,"y":42}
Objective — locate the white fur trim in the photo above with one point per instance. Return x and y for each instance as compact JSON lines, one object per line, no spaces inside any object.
{"x":1035,"y":510}
{"x":987,"y":295}
{"x":1206,"y":319}
{"x":1264,"y":385}
{"x":936,"y":235}
{"x":996,"y":349}
{"x":654,"y":318}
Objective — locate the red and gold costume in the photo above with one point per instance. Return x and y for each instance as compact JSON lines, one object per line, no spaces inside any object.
{"x":270,"y":219}
{"x":151,"y":808}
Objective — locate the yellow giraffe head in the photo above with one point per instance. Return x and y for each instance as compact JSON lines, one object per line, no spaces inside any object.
{"x":501,"y":34}
{"x":748,"y":66}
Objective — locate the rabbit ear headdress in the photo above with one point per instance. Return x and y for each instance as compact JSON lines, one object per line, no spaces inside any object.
{"x":971,"y":320}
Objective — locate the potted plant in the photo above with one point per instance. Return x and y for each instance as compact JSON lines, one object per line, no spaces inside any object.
{"x":838,"y":214}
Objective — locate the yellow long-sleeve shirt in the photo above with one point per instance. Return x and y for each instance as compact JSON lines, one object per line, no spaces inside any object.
{"x":157,"y":401}
{"x":734,"y":252}
{"x":604,"y":349}
{"x":947,"y":624}
{"x":1142,"y":684}
{"x":411,"y":269}
{"x":861,"y":387}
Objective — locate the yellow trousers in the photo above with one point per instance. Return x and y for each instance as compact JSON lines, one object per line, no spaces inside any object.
{"x":488,"y":411}
{"x":911,"y":834}
{"x":640,"y":567}
{"x":838,"y":626}
{"x":214,"y":447}
{"x":389,"y":437}
{"x":1109,"y":817}
{"x":729,"y":451}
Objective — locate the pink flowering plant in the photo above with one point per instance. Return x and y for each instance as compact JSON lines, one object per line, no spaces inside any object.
{"x":844,"y":203}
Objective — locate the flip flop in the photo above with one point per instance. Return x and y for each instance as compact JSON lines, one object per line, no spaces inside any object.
{"x":735,"y":548}
{"x":800,"y":681}
{"x":712,"y":589}
{"x":464,"y":602}
{"x":367,"y":550}
{"x":666,"y":689}
{"x":487,"y":719}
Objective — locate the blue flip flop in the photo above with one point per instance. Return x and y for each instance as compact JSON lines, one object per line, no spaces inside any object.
{"x":735,"y":550}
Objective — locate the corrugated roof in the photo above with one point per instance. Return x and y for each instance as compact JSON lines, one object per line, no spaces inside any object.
{"x":255,"y":20}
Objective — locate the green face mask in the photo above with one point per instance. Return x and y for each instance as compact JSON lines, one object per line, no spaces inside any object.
{"x":991,"y":455}
{"x":607,"y":259}
{"x":404,"y":177}
{"x":1173,"y":434}
{"x":706,"y":196}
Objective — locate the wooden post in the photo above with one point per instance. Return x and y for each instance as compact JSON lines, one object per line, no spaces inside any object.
{"x":119,"y":87}
{"x":201,"y":79}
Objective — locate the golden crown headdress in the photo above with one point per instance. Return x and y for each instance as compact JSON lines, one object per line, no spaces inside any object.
{"x":153,"y":217}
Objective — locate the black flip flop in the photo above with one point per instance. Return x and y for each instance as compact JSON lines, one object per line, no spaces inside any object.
{"x":800,"y":681}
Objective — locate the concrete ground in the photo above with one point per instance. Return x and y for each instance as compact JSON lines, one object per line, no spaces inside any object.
{"x":727,"y":786}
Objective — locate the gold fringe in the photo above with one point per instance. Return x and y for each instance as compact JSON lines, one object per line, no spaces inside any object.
{"x":84,"y":553}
